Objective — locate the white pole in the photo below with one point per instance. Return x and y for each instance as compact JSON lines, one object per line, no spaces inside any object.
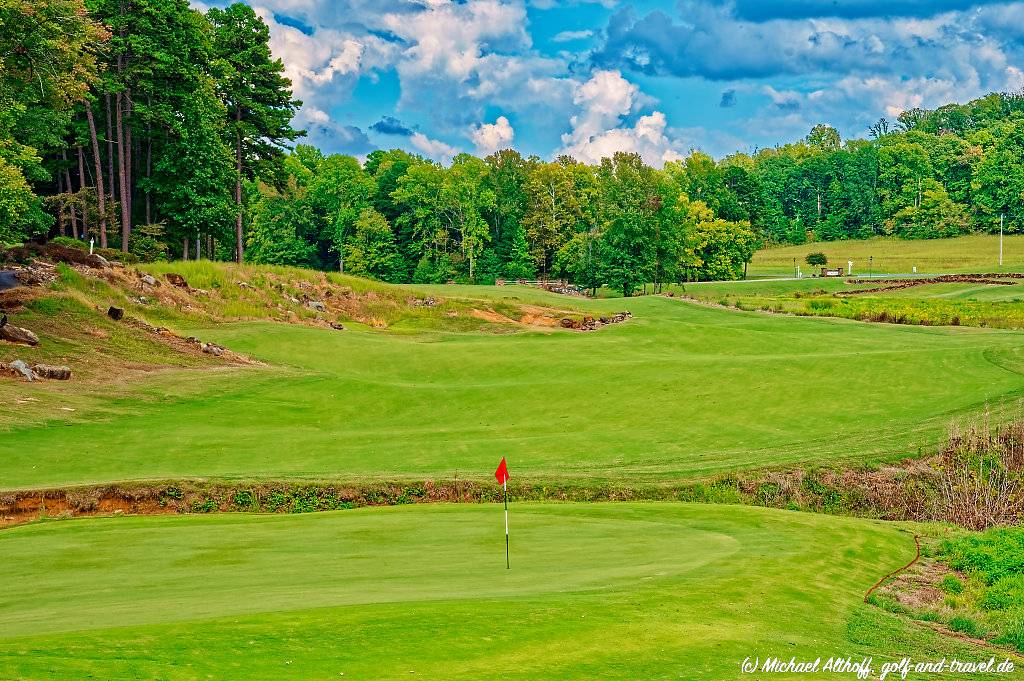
{"x":1001,"y":239}
{"x":504,"y":489}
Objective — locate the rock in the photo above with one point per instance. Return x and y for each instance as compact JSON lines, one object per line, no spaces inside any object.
{"x":115,"y":313}
{"x":337,"y":326}
{"x":96,"y":261}
{"x":316,"y":305}
{"x":148,"y":279}
{"x":16,"y":334}
{"x":567,"y":323}
{"x":424,"y":302}
{"x":28,"y":278}
{"x":55,"y":373}
{"x":176,"y":280}
{"x":22,"y":368}
{"x":213,"y":349}
{"x":244,"y":284}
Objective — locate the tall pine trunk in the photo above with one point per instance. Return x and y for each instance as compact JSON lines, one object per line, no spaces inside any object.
{"x":81,"y":186}
{"x":101,"y":199}
{"x":239,"y":246}
{"x":67,"y":181}
{"x":129,"y":173}
{"x":61,"y":218}
{"x":110,"y":150}
{"x":149,"y":167}
{"x":122,"y":174}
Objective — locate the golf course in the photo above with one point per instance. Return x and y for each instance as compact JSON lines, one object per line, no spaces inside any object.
{"x":612,"y":590}
{"x":688,"y":389}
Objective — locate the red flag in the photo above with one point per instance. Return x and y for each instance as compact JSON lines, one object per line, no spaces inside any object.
{"x":502,"y":473}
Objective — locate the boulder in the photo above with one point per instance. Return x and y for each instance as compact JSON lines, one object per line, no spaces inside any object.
{"x":148,"y":279}
{"x":316,"y":305}
{"x":54,"y":373}
{"x":16,"y":334}
{"x":96,"y":261}
{"x":213,"y":349}
{"x":176,"y":280}
{"x":115,"y":313}
{"x":22,"y":368}
{"x":337,"y":326}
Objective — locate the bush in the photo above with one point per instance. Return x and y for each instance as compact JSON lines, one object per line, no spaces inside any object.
{"x":817,"y":259}
{"x":70,"y":242}
{"x":1006,"y":593}
{"x":1013,"y":635}
{"x":145,"y":244}
{"x":952,"y":585}
{"x":965,"y":625}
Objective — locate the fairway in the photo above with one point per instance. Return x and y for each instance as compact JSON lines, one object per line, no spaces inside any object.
{"x":596,"y":590}
{"x":679,"y":391}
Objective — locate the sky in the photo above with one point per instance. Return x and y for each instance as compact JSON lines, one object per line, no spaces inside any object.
{"x":591,"y":77}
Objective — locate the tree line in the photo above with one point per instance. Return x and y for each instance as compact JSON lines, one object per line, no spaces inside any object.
{"x":167,"y":132}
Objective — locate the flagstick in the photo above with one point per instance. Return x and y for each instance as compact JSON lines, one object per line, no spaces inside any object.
{"x":504,"y":487}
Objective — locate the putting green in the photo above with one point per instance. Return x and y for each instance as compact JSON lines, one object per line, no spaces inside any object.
{"x":679,"y":391}
{"x":596,"y":590}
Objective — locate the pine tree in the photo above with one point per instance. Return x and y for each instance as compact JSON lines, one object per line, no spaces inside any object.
{"x":258,"y":97}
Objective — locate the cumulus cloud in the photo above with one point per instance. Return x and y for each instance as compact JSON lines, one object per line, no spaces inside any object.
{"x":435,"y":149}
{"x":490,"y":137}
{"x":598,"y":128}
{"x":764,"y":10}
{"x":712,"y":42}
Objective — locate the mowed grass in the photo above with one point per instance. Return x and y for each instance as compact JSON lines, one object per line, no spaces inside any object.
{"x":629,"y":591}
{"x":976,"y":253}
{"x":680,"y":391}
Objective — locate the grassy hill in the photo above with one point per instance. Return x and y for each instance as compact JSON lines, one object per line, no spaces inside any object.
{"x":679,"y":391}
{"x":608,"y":590}
{"x":883,"y":255}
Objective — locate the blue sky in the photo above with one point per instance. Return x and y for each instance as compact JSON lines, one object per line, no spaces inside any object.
{"x":590,"y":77}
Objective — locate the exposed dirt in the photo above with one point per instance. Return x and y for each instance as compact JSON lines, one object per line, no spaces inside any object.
{"x":898,"y":492}
{"x":898,"y":284}
{"x":492,"y":316}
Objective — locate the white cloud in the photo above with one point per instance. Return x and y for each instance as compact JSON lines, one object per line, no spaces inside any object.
{"x":597,"y":131}
{"x":490,"y":137}
{"x":568,"y":36}
{"x":435,"y":149}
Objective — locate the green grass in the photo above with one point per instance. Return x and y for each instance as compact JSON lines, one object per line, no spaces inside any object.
{"x":938,"y":304}
{"x":976,"y":253}
{"x":596,"y":591}
{"x":680,"y":391}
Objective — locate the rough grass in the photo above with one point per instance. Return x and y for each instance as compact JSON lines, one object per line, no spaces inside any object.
{"x":682,"y":591}
{"x":941,"y":304}
{"x":977,"y":252}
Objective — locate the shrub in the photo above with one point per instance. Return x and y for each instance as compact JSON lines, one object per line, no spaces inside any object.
{"x":1006,"y":593}
{"x":817,"y":259}
{"x":70,"y":242}
{"x":1013,"y":635}
{"x":965,"y":625}
{"x":952,"y":585}
{"x":145,"y":244}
